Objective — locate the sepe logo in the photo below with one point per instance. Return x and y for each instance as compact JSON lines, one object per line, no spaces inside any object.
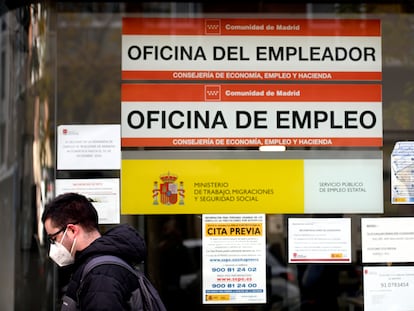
{"x":212,"y":92}
{"x":212,"y":27}
{"x":168,"y":192}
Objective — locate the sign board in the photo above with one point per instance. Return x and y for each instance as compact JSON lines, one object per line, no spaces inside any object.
{"x":102,"y":192}
{"x":319,"y":240}
{"x":251,"y":49}
{"x":89,"y":163}
{"x":234,"y":259}
{"x":88,"y":147}
{"x":387,"y":239}
{"x":402,"y":173}
{"x":246,"y":115}
{"x":388,"y":288}
{"x":251,"y":182}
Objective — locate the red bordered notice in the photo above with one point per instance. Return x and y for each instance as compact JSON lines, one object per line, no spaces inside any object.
{"x":319,"y":240}
{"x":241,"y":49}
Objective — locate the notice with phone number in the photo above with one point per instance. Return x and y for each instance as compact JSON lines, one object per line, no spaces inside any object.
{"x":234,"y":258}
{"x":388,"y":288}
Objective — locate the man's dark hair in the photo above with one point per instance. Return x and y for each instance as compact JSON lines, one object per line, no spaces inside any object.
{"x":71,"y":208}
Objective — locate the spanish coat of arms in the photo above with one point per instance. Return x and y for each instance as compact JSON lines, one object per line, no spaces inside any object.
{"x":168,"y":192}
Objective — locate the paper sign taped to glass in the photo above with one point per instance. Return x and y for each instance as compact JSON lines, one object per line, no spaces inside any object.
{"x":402,"y":173}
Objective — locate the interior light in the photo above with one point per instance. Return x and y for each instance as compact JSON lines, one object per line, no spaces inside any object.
{"x":272,"y":148}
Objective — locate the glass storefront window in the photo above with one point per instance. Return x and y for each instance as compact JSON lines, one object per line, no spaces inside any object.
{"x":60,"y":63}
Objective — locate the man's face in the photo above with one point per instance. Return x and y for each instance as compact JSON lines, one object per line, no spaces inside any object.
{"x":55,"y":234}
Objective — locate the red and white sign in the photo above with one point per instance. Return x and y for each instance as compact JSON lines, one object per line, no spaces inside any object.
{"x":249,"y":115}
{"x":183,"y":49}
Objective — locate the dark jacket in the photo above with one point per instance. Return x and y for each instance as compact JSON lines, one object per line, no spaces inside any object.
{"x":107,"y":287}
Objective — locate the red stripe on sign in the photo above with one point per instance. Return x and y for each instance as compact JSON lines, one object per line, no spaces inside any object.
{"x":250,"y":27}
{"x":305,"y":92}
{"x":250,"y":142}
{"x":321,"y":259}
{"x":186,"y":75}
{"x":164,"y":92}
{"x":242,"y":92}
{"x":162,"y":26}
{"x":358,"y":142}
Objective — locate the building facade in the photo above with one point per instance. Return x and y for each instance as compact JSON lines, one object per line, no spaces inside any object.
{"x":60,"y":63}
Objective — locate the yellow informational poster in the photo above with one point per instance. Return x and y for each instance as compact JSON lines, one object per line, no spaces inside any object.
{"x":234,"y":258}
{"x":171,"y":186}
{"x":291,"y":182}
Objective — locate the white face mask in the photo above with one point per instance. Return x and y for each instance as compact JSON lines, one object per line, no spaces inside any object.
{"x":59,"y":254}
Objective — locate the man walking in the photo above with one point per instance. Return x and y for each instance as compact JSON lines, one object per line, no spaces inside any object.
{"x":71,"y":223}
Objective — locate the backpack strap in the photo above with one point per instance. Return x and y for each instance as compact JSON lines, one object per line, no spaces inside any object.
{"x":105,"y":260}
{"x":98,"y":261}
{"x":146,"y":298}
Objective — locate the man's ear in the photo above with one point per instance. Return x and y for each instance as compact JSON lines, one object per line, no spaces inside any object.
{"x":73,"y":228}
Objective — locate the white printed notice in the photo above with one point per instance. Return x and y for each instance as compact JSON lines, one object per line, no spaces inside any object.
{"x":388,"y":239}
{"x":388,"y":288}
{"x":89,"y":147}
{"x":103,"y":193}
{"x":402,"y":173}
{"x":319,"y":240}
{"x":234,"y":258}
